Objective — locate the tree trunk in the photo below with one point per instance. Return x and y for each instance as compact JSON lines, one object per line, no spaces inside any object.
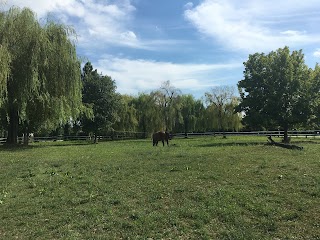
{"x":186,"y":129}
{"x":219,"y":119}
{"x":221,"y":128}
{"x":13,"y":126}
{"x":95,"y":138}
{"x":144,"y":127}
{"x":26,"y":137}
{"x":285,"y":134}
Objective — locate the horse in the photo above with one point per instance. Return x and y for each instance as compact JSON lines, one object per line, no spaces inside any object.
{"x":160,"y":136}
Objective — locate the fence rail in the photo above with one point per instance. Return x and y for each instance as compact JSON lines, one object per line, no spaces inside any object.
{"x":113,"y":136}
{"x":305,"y":133}
{"x":140,"y":135}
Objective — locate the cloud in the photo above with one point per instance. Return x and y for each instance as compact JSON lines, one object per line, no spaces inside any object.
{"x":133,"y":76}
{"x":40,"y":7}
{"x":253,"y":25}
{"x":317,"y":53}
{"x":99,"y":24}
{"x":188,"y":5}
{"x":94,"y":20}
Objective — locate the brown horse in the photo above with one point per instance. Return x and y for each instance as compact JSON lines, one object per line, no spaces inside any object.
{"x":160,"y":136}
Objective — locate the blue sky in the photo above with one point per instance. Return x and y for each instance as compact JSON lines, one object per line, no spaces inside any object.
{"x":196,"y":45}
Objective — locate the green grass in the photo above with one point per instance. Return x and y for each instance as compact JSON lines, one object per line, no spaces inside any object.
{"x":200,"y":188}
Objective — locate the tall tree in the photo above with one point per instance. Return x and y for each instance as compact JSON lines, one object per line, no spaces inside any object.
{"x":148,"y":112}
{"x":274,"y":90}
{"x":188,"y":113}
{"x":221,"y":98}
{"x":200,"y":111}
{"x":43,"y":84}
{"x":4,"y":73}
{"x":233,"y":119}
{"x":99,"y":92}
{"x":127,"y":115}
{"x":4,"y":70}
{"x":314,"y":97}
{"x":167,"y":100}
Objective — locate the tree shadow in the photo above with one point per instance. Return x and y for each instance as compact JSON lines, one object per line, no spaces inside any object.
{"x":21,"y":147}
{"x":314,"y":141}
{"x":232,"y":144}
{"x":221,"y":144}
{"x":14,"y":148}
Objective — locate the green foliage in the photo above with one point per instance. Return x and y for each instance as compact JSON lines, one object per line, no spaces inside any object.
{"x":127,"y":115}
{"x":187,"y":113}
{"x":149,"y":115}
{"x":5,"y":62}
{"x":43,"y":82}
{"x":168,"y":104}
{"x":275,"y":89}
{"x":191,"y":112}
{"x":199,"y":188}
{"x":99,"y":93}
{"x":151,"y":112}
{"x":221,"y":104}
{"x":314,"y":97}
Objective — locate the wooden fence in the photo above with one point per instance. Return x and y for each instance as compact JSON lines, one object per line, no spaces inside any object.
{"x":112,"y":136}
{"x":143,"y":135}
{"x":305,"y":133}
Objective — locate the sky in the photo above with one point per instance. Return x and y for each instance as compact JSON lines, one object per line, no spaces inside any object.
{"x":196,"y":45}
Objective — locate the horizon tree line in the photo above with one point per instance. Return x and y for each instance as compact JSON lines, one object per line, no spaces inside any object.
{"x":44,"y":90}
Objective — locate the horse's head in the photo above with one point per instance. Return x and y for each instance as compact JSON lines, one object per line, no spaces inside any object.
{"x":168,"y":135}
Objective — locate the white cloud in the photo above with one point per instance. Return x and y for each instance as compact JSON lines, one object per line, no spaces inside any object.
{"x":292,"y":33}
{"x":133,"y":76}
{"x":252,"y":25}
{"x":188,"y":5}
{"x":94,"y":21}
{"x":317,"y":53}
{"x":98,"y":23}
{"x":38,"y":6}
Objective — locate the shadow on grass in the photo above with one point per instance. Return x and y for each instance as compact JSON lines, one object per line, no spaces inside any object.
{"x":221,"y":144}
{"x":316,"y":141}
{"x":232,"y":144}
{"x":21,"y":147}
{"x":14,"y":148}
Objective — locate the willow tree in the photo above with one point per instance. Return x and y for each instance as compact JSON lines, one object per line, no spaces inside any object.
{"x":43,"y":83}
{"x":167,"y":99}
{"x":148,"y":114}
{"x":222,"y":101}
{"x":188,"y":114}
{"x":5,"y":61}
{"x":127,"y":114}
{"x":4,"y":70}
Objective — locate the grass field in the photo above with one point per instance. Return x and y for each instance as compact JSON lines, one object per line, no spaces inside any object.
{"x":200,"y":188}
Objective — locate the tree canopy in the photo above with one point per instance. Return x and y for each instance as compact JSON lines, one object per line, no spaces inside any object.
{"x":167,"y":101}
{"x":274,"y":90}
{"x":40,"y":82}
{"x":99,"y":93}
{"x":222,"y":101}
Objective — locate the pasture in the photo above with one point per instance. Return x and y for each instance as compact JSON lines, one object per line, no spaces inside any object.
{"x":198,"y":188}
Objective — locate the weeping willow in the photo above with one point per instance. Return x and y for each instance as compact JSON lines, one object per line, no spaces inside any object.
{"x":40,"y":74}
{"x":4,"y":71}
